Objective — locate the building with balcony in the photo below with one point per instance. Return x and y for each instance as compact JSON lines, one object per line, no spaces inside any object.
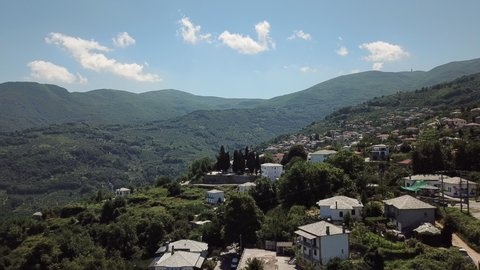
{"x":322,"y":241}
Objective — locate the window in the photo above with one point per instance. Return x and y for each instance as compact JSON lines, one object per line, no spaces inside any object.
{"x":315,"y":252}
{"x":353,"y":212}
{"x":340,"y":214}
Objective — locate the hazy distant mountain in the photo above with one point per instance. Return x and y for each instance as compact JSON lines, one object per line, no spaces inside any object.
{"x":27,"y":104}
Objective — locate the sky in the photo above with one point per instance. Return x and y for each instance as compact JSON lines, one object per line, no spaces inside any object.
{"x":247,"y":49}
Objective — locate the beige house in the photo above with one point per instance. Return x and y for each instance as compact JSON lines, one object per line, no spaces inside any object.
{"x":457,"y":187}
{"x":408,"y":212}
{"x":335,"y":208}
{"x":245,"y":187}
{"x":123,"y":192}
{"x":321,"y":155}
{"x":215,"y":196}
{"x":321,"y":241}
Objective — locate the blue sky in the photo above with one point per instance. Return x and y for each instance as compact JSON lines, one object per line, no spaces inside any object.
{"x":256,"y":49}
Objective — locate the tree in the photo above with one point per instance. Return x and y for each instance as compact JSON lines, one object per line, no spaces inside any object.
{"x":374,"y":260}
{"x":223,"y":160}
{"x":428,"y":158}
{"x":295,"y":151}
{"x":162,"y":180}
{"x":350,"y":163}
{"x":200,"y":167}
{"x":305,"y":183}
{"x":242,"y":218}
{"x":251,"y":162}
{"x":174,"y":189}
{"x":274,"y":227}
{"x":255,"y":264}
{"x":264,"y":194}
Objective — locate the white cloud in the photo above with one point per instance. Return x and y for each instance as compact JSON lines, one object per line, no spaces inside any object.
{"x":123,"y":40}
{"x":191,"y":33}
{"x":381,"y":51}
{"x":89,"y":54}
{"x":47,"y":71}
{"x":300,"y":34}
{"x":377,"y":66}
{"x":245,"y":44}
{"x":342,"y":51}
{"x":306,"y":69}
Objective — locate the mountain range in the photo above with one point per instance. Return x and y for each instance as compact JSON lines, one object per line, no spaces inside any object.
{"x":27,"y":104}
{"x":58,"y":145}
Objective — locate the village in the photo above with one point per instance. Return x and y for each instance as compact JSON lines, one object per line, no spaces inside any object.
{"x":415,"y":215}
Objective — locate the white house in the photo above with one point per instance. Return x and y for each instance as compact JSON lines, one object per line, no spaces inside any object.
{"x":431,"y":179}
{"x":180,"y":255}
{"x":122,"y":192}
{"x":380,"y":152}
{"x":321,"y":155}
{"x":337,"y":207}
{"x":408,"y":212}
{"x":245,"y":187}
{"x":271,"y":170}
{"x":321,"y":241}
{"x":457,"y":187}
{"x":215,"y":196}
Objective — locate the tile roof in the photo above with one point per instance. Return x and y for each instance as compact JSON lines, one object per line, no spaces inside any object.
{"x":324,"y":152}
{"x":190,"y":245}
{"x":178,"y":259}
{"x":425,"y":177}
{"x":320,"y":229}
{"x":408,"y":202}
{"x":456,"y":181}
{"x":340,"y":202}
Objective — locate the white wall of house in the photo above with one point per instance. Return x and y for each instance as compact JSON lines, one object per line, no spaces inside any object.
{"x":334,"y":246}
{"x":245,"y":187}
{"x":215,"y":197}
{"x":319,"y":158}
{"x":338,"y":214}
{"x":409,"y":219}
{"x":453,"y":190}
{"x":273,"y":171}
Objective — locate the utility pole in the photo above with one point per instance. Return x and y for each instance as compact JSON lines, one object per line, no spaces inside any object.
{"x":461,"y":196}
{"x":443,"y":191}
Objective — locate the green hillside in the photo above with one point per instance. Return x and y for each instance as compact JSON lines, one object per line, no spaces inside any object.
{"x":441,"y":99}
{"x":26,"y":104}
{"x":60,"y":162}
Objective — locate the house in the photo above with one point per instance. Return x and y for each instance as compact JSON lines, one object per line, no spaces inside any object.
{"x":379,"y":152}
{"x":215,"y":196}
{"x":123,"y":192}
{"x":477,"y":119}
{"x":408,"y":212}
{"x":457,"y":187}
{"x":246,"y":187}
{"x":455,"y":122}
{"x":431,"y":179}
{"x":321,"y":241}
{"x":37,"y":215}
{"x":180,"y":255}
{"x":337,"y":207}
{"x":321,"y":155}
{"x":273,"y":171}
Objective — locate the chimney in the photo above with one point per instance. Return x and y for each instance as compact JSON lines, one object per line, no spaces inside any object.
{"x":173,"y":250}
{"x":343,"y":228}
{"x":328,"y":230}
{"x":336,"y":205}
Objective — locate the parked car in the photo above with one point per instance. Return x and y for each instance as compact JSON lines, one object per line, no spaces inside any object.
{"x":234,"y":263}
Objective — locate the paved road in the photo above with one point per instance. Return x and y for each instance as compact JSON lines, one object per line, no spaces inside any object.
{"x":458,"y":242}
